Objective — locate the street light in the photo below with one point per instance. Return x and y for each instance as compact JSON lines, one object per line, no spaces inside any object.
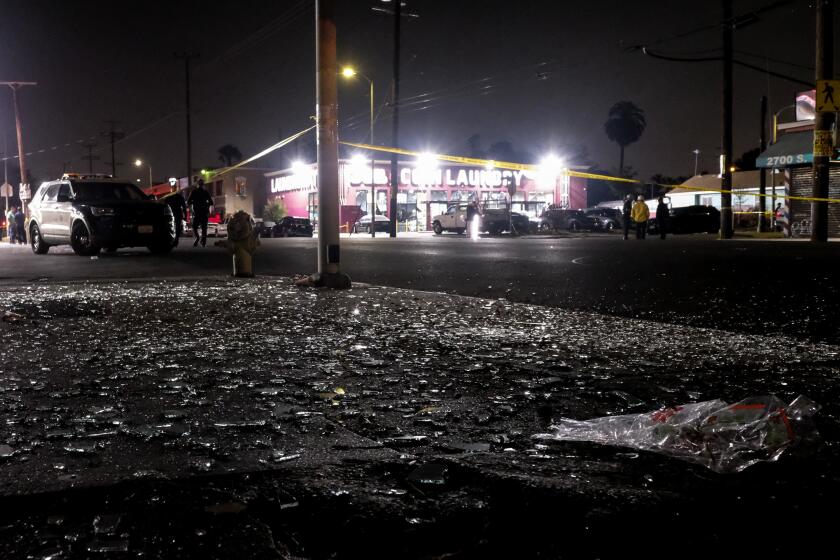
{"x":349,"y":72}
{"x":139,"y":163}
{"x":696,"y":152}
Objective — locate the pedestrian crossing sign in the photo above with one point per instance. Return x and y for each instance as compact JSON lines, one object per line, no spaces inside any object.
{"x":828,"y":96}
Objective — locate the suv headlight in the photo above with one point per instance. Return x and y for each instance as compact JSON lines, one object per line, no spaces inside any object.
{"x":101,"y":211}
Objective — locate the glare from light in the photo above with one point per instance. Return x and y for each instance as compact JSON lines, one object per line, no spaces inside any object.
{"x":490,"y":165}
{"x":426,"y":160}
{"x":298,"y":167}
{"x":138,"y":162}
{"x":474,"y":228}
{"x":358,"y":160}
{"x":173,"y":181}
{"x":551,"y":165}
{"x":732,"y":169}
{"x":348,"y":72}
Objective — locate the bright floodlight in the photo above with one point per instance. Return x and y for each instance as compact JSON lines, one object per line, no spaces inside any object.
{"x":426,"y":160}
{"x":551,"y":165}
{"x":138,"y":162}
{"x":348,"y":72}
{"x":358,"y":160}
{"x":490,"y":165}
{"x":298,"y":167}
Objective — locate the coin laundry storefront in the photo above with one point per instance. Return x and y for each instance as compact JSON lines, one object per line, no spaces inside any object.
{"x":425,"y":190}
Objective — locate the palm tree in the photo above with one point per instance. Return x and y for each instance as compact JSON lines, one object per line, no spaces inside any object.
{"x":625,"y":124}
{"x":228,"y":153}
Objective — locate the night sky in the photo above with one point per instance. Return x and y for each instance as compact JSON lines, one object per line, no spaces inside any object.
{"x":541,"y":74}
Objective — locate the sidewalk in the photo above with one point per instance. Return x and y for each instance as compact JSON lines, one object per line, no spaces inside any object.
{"x":377,"y":422}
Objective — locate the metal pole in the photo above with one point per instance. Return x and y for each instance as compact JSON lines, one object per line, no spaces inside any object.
{"x":824,"y":121}
{"x":150,"y":175}
{"x":726,"y":117}
{"x":395,"y":129}
{"x":189,"y":130}
{"x":329,"y":255}
{"x":762,"y":178}
{"x":372,"y":170}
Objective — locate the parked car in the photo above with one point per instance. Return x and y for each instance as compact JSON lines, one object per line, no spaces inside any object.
{"x":363,"y":224}
{"x":291,"y":226}
{"x":212,"y":229}
{"x":558,"y":219}
{"x":610,"y":218}
{"x":691,"y":219}
{"x":92,"y":212}
{"x":496,"y":220}
{"x":262,"y":228}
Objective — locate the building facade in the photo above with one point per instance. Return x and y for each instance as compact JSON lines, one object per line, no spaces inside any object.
{"x":424,"y":191}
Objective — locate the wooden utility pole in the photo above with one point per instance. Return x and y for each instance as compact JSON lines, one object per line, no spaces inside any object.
{"x":762,"y":177}
{"x":21,"y":156}
{"x":726,"y":116}
{"x":395,"y":123}
{"x":90,"y":157}
{"x":187,"y":57}
{"x":113,"y":135}
{"x":823,"y":148}
{"x":326,"y":102}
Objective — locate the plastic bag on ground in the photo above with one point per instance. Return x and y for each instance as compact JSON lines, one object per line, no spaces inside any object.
{"x":720,"y":436}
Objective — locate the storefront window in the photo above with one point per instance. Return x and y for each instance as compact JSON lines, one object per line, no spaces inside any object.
{"x":362,"y":198}
{"x":437,"y":196}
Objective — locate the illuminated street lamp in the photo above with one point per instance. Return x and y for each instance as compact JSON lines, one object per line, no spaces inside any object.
{"x":139,"y":163}
{"x":349,"y":72}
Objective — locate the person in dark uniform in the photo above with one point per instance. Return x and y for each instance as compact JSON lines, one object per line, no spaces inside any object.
{"x":178,"y":206}
{"x":662,"y":215}
{"x":625,"y":214}
{"x":20,"y":226}
{"x":200,"y":202}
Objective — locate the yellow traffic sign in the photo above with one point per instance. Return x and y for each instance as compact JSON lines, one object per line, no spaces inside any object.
{"x":828,"y":96}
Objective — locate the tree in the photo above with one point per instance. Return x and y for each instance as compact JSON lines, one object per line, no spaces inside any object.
{"x":625,"y":125}
{"x":274,"y":211}
{"x":228,"y":153}
{"x":747,"y":160}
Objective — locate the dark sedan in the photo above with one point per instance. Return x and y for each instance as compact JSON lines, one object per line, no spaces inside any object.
{"x":691,"y":219}
{"x":610,"y":218}
{"x":571,"y":220}
{"x":292,"y":227}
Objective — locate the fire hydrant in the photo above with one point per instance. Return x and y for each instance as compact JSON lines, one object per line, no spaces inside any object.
{"x":242,"y":243}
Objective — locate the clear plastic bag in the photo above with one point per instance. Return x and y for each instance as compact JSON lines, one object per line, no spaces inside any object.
{"x":720,"y":436}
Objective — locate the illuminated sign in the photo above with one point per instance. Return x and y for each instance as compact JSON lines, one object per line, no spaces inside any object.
{"x":360,"y":175}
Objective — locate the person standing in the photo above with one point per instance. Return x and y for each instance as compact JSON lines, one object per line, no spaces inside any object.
{"x":178,"y":206}
{"x":640,"y":215}
{"x":625,"y":214}
{"x":200,"y":202}
{"x":20,"y":226}
{"x":662,"y":215}
{"x":11,"y":229}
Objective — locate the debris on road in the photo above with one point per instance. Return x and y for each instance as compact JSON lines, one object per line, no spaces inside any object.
{"x":722,"y":437}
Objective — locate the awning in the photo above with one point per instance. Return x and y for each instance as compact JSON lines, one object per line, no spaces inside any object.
{"x":795,"y":148}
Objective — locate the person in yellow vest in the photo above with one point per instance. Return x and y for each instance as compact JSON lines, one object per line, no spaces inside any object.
{"x":640,"y":214}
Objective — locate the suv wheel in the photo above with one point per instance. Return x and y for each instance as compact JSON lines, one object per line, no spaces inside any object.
{"x":39,"y":247}
{"x":81,"y":241}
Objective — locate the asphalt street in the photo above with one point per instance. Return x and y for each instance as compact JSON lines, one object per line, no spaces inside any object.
{"x":742,"y":285}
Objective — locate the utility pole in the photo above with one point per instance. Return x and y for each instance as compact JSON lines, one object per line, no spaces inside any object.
{"x":726,"y":115}
{"x":326,"y":93}
{"x":187,"y":57}
{"x":823,"y":149}
{"x":113,"y":135}
{"x":395,"y":123}
{"x":762,"y":176}
{"x":21,"y":156}
{"x":90,"y":157}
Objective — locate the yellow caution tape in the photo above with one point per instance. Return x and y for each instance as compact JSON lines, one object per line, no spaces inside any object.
{"x":217,"y":172}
